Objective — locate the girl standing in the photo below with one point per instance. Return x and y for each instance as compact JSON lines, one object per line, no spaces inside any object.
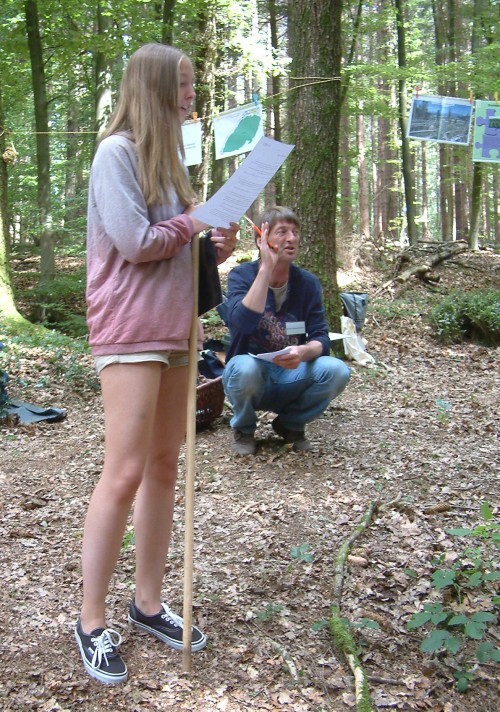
{"x":140,"y":305}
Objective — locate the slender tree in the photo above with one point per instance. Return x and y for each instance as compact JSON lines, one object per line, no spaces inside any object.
{"x":205,"y":69}
{"x":47,"y":261}
{"x":8,"y":310}
{"x":103,"y":92}
{"x":363,"y":181}
{"x":478,"y":174}
{"x":3,"y":176}
{"x":167,"y":21}
{"x":275,"y":90}
{"x":409,"y":185}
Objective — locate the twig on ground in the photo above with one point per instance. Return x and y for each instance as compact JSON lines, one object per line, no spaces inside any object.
{"x":345,"y":549}
{"x":391,"y":503}
{"x":384,"y":680}
{"x":287,"y":659}
{"x":339,"y":631}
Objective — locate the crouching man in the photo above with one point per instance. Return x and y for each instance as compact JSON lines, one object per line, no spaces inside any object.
{"x":272,"y":304}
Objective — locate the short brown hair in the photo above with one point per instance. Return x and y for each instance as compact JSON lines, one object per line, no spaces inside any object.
{"x":277,"y":213}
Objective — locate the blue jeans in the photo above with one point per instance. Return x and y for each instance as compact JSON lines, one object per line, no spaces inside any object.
{"x":297,"y":395}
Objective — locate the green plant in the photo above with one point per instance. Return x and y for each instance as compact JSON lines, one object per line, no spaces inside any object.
{"x":302,"y":553}
{"x":269,"y":611}
{"x":128,"y":539}
{"x":444,"y":409}
{"x":454,"y":627}
{"x":473,"y":315}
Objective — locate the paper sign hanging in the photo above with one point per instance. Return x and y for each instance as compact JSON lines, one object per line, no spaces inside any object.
{"x":445,"y":119}
{"x":238,"y":130}
{"x":486,"y":132}
{"x":191,"y":136}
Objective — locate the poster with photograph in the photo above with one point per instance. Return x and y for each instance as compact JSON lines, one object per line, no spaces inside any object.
{"x":487,"y":132}
{"x":238,"y":130}
{"x":440,"y":118}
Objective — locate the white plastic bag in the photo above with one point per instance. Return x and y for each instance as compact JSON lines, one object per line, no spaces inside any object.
{"x":354,"y":346}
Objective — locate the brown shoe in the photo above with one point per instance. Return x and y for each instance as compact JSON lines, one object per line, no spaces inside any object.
{"x":296,"y":438}
{"x":243,"y":444}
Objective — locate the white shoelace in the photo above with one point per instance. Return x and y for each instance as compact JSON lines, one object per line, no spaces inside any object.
{"x":171,"y":616}
{"x":105,"y":644}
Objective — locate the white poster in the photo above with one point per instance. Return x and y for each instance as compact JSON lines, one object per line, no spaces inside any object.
{"x":191,"y":136}
{"x":238,"y":130}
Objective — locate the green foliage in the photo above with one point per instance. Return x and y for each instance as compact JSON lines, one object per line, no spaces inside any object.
{"x":452,"y":626}
{"x":443,"y":410}
{"x":269,"y":611}
{"x":63,"y":354}
{"x":59,"y":304}
{"x":302,"y":553}
{"x":128,"y":540}
{"x":411,"y":304}
{"x":473,"y":315}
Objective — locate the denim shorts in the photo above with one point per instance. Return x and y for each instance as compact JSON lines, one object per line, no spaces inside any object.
{"x":170,"y":359}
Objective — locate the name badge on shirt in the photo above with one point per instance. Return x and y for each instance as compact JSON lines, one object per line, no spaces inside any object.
{"x":295,"y":327}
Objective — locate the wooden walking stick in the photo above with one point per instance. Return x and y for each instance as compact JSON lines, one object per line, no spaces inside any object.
{"x":190,"y":468}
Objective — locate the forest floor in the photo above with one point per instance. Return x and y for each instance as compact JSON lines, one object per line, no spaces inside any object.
{"x":418,"y":434}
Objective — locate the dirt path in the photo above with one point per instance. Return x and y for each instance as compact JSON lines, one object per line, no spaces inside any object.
{"x":421,"y":428}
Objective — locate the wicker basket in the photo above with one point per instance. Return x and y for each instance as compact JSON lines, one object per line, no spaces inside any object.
{"x":209,"y":401}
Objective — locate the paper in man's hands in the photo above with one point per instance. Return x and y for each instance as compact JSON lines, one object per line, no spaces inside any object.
{"x":231,"y":202}
{"x":270,"y":355}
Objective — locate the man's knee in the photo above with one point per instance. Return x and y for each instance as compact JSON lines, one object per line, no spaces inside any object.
{"x":333,"y":371}
{"x":243,"y":374}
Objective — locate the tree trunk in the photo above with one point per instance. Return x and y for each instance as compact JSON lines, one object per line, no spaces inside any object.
{"x":205,"y":67}
{"x":477,"y":178}
{"x":276,"y":92}
{"x":425,"y":198}
{"x":363,"y":198}
{"x":495,"y":208}
{"x":103,"y":95}
{"x":7,"y":307}
{"x":167,"y":22}
{"x":346,"y":211}
{"x":403,"y":112}
{"x":4,"y":203}
{"x":47,"y":260}
{"x":314,"y":110}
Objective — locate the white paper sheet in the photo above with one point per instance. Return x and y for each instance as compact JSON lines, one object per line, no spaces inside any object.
{"x":238,"y":193}
{"x":269,"y":355}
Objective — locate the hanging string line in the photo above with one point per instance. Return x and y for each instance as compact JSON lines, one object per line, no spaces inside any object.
{"x":317,"y":80}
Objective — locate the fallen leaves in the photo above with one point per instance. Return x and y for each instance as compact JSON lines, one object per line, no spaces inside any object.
{"x":383,"y":440}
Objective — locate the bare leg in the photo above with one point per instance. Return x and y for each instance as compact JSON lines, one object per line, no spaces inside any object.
{"x":130,"y":395}
{"x":154,"y":506}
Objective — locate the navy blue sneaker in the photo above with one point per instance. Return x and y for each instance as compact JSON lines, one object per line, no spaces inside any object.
{"x":166,"y":626}
{"x":99,"y":651}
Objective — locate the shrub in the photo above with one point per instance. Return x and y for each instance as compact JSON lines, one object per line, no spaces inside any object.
{"x":473,"y":315}
{"x":59,"y":304}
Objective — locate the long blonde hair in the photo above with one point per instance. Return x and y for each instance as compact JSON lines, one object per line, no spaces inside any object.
{"x":147,"y":112}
